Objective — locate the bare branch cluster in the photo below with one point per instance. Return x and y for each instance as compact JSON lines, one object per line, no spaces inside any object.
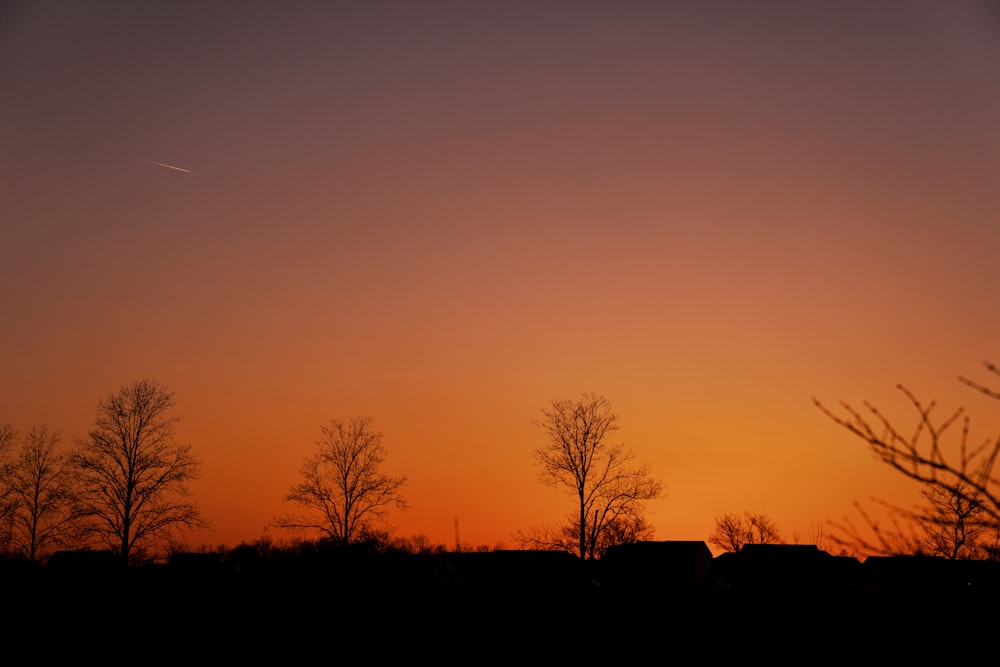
{"x":732,"y":531}
{"x":960,"y":490}
{"x":952,"y":523}
{"x":624,"y":529}
{"x":7,"y":502}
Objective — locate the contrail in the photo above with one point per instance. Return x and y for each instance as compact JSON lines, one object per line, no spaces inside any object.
{"x":169,"y":166}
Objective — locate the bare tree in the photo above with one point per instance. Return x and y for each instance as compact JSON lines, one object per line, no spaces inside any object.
{"x":38,"y":483}
{"x":732,"y":531}
{"x":954,"y":524}
{"x":581,"y":459}
{"x":728,"y":534}
{"x":343,"y":488}
{"x":131,"y":477}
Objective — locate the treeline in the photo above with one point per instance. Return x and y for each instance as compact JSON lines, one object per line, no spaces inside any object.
{"x":124,"y":486}
{"x":672,"y":569}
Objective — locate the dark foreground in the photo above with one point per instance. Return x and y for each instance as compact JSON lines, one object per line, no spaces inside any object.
{"x":362,"y":616}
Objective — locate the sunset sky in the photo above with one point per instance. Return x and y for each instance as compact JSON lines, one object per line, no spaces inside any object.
{"x":442,"y":215}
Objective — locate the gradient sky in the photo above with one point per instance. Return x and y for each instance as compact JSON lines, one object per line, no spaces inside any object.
{"x":442,"y":215}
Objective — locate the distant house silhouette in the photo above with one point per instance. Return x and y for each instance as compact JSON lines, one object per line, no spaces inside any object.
{"x":787,"y":570}
{"x":910,"y":577}
{"x":980,"y":578}
{"x":666,"y":567}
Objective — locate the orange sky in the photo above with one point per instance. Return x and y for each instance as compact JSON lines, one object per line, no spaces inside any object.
{"x":442,"y":215}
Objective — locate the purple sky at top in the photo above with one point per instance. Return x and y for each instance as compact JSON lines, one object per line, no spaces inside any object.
{"x":443,"y":214}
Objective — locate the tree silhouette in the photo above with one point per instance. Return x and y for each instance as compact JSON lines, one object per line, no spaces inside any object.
{"x":581,"y":459}
{"x":956,"y":524}
{"x":7,"y":505}
{"x":732,"y":531}
{"x":343,"y":488}
{"x":131,"y":477}
{"x":37,"y":484}
{"x":922,"y":455}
